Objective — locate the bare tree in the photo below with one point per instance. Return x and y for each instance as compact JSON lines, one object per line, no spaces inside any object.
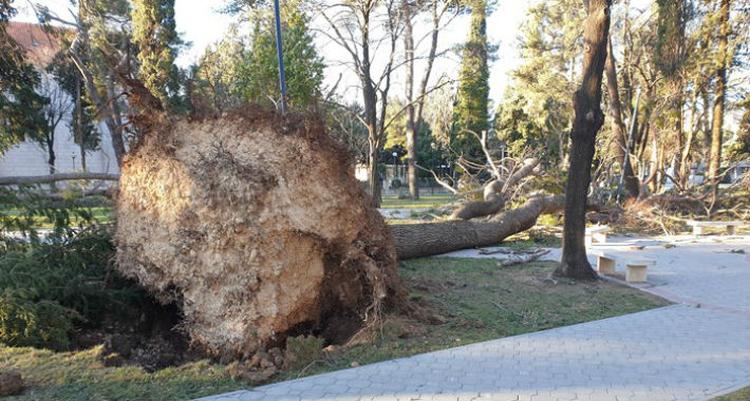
{"x":57,"y":107}
{"x":364,"y":28}
{"x":438,"y":10}
{"x":588,"y":120}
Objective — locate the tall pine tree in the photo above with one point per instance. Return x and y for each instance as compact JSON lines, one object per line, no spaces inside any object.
{"x":669,"y":59}
{"x":471,"y":114}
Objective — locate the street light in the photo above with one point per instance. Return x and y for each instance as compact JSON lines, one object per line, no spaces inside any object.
{"x":280,"y":55}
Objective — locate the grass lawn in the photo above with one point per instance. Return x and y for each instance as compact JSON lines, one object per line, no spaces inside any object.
{"x":100,"y":214}
{"x":424,"y":202}
{"x":479,"y":300}
{"x":739,"y":395}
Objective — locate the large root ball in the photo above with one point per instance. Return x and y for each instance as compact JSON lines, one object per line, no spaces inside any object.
{"x":256,"y":227}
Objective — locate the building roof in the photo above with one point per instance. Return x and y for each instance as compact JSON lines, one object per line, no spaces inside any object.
{"x":40,"y":45}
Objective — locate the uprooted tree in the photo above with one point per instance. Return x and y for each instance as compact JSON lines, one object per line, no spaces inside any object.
{"x":255,"y":226}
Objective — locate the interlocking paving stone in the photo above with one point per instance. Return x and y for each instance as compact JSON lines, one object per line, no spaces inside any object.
{"x":690,"y":351}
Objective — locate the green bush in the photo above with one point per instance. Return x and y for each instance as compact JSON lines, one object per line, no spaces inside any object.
{"x":34,"y":324}
{"x":49,"y":287}
{"x":25,"y":209}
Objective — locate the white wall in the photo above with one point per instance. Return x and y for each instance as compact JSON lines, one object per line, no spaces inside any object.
{"x":30,"y":158}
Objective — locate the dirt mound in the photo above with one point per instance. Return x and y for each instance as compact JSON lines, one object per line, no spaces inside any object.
{"x":256,"y":227}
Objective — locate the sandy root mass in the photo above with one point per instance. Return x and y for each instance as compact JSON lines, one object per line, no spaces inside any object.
{"x":256,"y":227}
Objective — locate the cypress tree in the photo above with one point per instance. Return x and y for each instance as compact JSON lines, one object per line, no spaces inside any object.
{"x":471,"y":113}
{"x":156,"y":38}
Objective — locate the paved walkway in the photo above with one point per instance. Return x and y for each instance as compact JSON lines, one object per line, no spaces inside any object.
{"x":693,"y":350}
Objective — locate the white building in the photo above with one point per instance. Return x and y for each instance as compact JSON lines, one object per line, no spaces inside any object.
{"x":30,"y":158}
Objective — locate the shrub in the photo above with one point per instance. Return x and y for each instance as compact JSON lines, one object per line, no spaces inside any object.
{"x":34,"y":324}
{"x":47,"y":288}
{"x":25,"y":208}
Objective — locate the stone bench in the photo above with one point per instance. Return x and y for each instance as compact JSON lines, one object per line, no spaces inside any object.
{"x":729,"y":226}
{"x":638,"y":270}
{"x":605,"y":263}
{"x":596,"y":234}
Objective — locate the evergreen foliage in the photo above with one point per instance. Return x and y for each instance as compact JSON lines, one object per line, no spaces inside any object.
{"x":472,"y":101}
{"x":20,"y":105}
{"x":258,"y":72}
{"x":157,"y":40}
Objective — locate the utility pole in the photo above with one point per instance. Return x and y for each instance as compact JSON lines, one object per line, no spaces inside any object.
{"x":280,"y":55}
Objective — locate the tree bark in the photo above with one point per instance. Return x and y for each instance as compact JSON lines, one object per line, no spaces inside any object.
{"x":721,"y":82}
{"x":618,"y":127}
{"x":411,"y":124}
{"x":79,"y":123}
{"x":588,"y":120}
{"x":416,"y":240}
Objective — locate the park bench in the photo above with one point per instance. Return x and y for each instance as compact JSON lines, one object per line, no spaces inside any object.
{"x":596,"y":234}
{"x":638,"y":270}
{"x":699,"y":226}
{"x":605,"y":263}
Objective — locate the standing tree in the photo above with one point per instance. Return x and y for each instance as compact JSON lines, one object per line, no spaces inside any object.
{"x":717,"y":124}
{"x":550,"y":46}
{"x":669,"y":59}
{"x":360,"y":28}
{"x":156,"y":38}
{"x":81,"y":122}
{"x":57,"y":106}
{"x":20,"y":105}
{"x":588,"y":120}
{"x":741,"y":148}
{"x":415,"y":103}
{"x":213,"y":83}
{"x":257,"y":72}
{"x":470,"y":114}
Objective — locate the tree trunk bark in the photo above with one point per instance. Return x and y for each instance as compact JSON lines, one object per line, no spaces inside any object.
{"x":79,"y":123}
{"x":373,"y":175}
{"x":588,"y":120}
{"x":51,"y":154}
{"x":118,"y":142}
{"x":416,"y":240}
{"x":411,"y":124}
{"x":718,"y":115}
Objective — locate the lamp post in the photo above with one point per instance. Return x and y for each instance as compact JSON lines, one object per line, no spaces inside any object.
{"x":280,"y":55}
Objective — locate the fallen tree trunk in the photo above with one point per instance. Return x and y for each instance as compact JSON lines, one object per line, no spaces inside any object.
{"x":415,"y":240}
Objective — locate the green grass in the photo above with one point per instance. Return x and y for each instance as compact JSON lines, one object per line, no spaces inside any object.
{"x":478,"y":300}
{"x":482,"y":301}
{"x":424,"y":202}
{"x":739,"y":395}
{"x":100,"y":215}
{"x":70,"y":376}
